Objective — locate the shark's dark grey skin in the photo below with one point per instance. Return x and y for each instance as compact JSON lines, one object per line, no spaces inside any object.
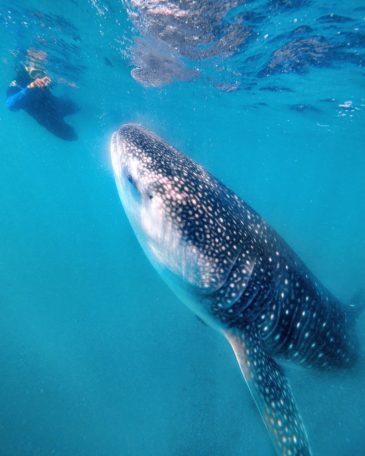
{"x":235,"y":272}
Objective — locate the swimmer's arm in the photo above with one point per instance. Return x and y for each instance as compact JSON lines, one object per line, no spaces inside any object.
{"x":16,"y":101}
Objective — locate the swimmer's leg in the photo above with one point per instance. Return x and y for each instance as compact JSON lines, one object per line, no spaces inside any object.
{"x":62,"y":130}
{"x":66,"y":107}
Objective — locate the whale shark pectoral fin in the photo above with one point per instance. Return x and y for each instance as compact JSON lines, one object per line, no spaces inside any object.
{"x":272,"y":394}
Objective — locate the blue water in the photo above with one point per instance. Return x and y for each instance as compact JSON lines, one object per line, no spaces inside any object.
{"x":97,"y":356}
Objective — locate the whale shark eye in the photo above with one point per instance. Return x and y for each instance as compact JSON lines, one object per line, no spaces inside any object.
{"x":131,"y":180}
{"x":133,"y":186}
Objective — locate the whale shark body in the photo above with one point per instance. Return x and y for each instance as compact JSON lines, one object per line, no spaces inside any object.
{"x":235,"y":273}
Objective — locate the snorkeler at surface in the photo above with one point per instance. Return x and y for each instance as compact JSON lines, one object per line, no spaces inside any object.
{"x":33,"y":94}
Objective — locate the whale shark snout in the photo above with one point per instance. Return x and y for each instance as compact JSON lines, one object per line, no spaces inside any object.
{"x":131,"y":142}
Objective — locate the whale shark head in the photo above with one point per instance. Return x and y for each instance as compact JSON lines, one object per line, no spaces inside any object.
{"x":182,"y":216}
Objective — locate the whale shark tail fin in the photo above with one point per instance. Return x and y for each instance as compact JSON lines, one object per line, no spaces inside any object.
{"x":271,"y":392}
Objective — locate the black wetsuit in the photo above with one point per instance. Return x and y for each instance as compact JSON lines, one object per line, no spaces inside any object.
{"x":42,"y":105}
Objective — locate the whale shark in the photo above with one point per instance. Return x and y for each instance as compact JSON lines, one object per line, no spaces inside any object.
{"x":232,"y":269}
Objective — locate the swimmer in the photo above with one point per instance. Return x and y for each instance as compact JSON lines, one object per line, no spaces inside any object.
{"x":30,"y":91}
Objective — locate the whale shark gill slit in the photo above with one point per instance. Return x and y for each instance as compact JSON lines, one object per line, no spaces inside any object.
{"x":229,"y":292}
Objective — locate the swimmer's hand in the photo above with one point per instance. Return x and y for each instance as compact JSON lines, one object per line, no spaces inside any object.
{"x":40,"y":83}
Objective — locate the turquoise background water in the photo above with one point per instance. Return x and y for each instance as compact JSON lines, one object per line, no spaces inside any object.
{"x":97,"y":356}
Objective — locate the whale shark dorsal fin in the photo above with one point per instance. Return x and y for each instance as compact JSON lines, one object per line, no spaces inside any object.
{"x":271,"y":392}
